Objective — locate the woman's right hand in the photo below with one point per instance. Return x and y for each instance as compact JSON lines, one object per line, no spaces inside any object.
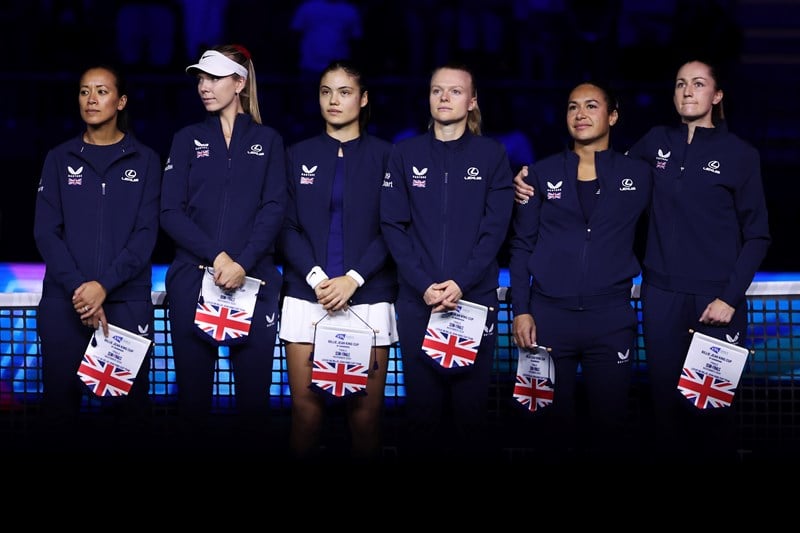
{"x":335,"y":293}
{"x":228,"y":274}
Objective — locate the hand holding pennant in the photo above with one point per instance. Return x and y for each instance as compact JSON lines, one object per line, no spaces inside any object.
{"x":535,"y":381}
{"x":110,"y":364}
{"x":711,"y":371}
{"x":342,"y":357}
{"x":453,"y":337}
{"x":224,"y":317}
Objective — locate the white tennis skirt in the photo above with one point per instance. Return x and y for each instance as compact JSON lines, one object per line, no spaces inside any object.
{"x":299,"y":317}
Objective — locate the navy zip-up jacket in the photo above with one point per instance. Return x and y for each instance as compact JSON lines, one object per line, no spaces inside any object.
{"x":304,"y":243}
{"x":217,"y":198}
{"x":91,"y":226}
{"x":574,"y":263}
{"x":445,"y":211}
{"x":708,"y":231}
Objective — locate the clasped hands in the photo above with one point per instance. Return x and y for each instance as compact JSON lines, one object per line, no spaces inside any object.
{"x":87,"y":300}
{"x":443,"y":296}
{"x":228,"y":274}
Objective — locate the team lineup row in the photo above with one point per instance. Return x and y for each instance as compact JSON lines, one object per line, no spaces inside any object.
{"x":390,"y":235}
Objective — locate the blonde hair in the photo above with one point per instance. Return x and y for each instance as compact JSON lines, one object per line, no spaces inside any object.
{"x":249,"y":95}
{"x":474,"y":118}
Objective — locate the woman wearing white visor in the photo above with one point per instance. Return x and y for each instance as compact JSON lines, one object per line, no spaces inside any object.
{"x":223,"y":202}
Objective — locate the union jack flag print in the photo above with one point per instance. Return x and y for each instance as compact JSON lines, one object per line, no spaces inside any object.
{"x":105,"y":379}
{"x":222,"y":323}
{"x":450,"y":350}
{"x":339,"y":379}
{"x":704,"y":390}
{"x":534,"y":393}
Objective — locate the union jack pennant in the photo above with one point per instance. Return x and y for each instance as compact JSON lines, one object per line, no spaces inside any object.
{"x":450,"y":350}
{"x":705,"y":390}
{"x":222,"y":323}
{"x":533,"y":393}
{"x":339,"y":379}
{"x":103,"y":378}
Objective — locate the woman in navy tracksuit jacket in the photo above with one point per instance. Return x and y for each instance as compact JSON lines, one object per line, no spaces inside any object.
{"x":96,"y":225}
{"x":708,"y":234}
{"x":445,"y":210}
{"x":304,"y":240}
{"x":572,"y":266}
{"x":336,"y":263}
{"x":223,"y":202}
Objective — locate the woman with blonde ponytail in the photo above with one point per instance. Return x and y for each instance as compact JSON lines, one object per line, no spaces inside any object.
{"x":223,"y":201}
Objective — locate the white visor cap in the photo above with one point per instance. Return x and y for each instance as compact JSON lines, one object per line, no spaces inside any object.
{"x":217,"y":64}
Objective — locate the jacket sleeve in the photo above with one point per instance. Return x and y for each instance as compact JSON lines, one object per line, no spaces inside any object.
{"x":174,"y":203}
{"x":395,"y":225}
{"x":138,"y":251}
{"x":751,"y":211}
{"x":295,"y":245}
{"x":525,"y":234}
{"x":48,"y":229}
{"x":269,"y":218}
{"x":373,"y":259}
{"x":376,"y":254}
{"x":494,"y":224}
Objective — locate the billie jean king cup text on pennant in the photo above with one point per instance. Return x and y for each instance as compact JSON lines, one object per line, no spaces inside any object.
{"x":341,"y":360}
{"x":711,"y":371}
{"x":110,"y":364}
{"x":453,"y":337}
{"x":224,"y":317}
{"x":535,"y":381}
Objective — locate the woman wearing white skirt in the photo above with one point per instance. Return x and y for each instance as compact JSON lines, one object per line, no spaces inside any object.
{"x":337,"y":268}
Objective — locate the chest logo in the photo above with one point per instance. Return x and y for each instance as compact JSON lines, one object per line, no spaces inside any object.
{"x":662,"y":158}
{"x":712,"y":166}
{"x":201,"y":149}
{"x":307,"y":174}
{"x":554,"y":190}
{"x":130,"y":175}
{"x":473,"y":174}
{"x":74,"y":175}
{"x":626,"y":184}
